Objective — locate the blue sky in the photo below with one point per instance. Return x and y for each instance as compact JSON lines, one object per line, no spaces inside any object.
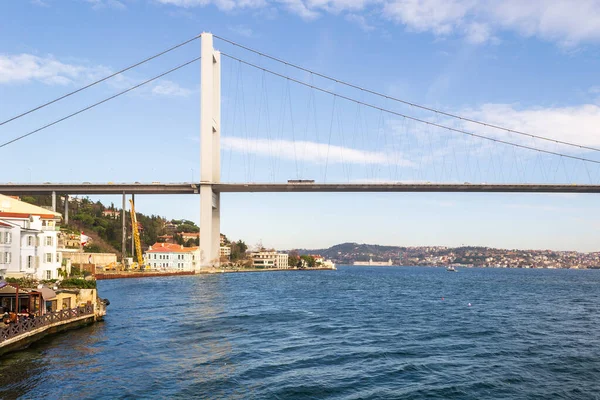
{"x":529,"y":66}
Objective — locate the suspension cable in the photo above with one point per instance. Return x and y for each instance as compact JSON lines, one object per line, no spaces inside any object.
{"x":447,"y":114}
{"x":408,"y":116}
{"x":100,"y":80}
{"x":100,"y":102}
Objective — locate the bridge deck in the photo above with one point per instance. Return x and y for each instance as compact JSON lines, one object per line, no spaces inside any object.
{"x":193,"y":188}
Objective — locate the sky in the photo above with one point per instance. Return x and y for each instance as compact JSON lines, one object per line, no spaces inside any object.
{"x":526,"y":66}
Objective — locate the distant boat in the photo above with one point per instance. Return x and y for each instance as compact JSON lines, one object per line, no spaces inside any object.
{"x":451,"y":269}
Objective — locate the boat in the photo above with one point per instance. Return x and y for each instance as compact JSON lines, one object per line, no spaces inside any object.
{"x":451,"y":269}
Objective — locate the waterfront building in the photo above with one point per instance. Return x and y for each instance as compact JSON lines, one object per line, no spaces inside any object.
{"x":374,"y":263}
{"x":269,"y":259}
{"x":169,"y":256}
{"x":28,"y":240}
{"x":226,"y":251}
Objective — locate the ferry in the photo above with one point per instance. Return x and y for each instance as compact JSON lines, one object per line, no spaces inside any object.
{"x":451,"y":269}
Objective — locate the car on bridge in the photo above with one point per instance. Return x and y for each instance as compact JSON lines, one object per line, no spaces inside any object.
{"x":301,"y":181}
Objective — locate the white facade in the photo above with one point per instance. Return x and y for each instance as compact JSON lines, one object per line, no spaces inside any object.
{"x":269,"y":259}
{"x":28,"y":247}
{"x":226,"y":251}
{"x":168,"y":256}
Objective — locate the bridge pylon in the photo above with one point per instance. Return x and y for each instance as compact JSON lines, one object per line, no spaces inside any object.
{"x":210,"y":153}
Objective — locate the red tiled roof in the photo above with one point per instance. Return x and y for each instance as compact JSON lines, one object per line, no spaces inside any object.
{"x":5,"y":224}
{"x":23,"y":215}
{"x":169,"y":248}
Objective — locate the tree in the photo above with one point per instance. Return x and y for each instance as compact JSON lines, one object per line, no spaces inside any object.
{"x":293,"y":258}
{"x":178,"y":239}
{"x":309,"y":261}
{"x":238,"y":250}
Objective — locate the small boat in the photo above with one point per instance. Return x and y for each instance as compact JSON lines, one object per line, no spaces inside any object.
{"x":451,"y":269}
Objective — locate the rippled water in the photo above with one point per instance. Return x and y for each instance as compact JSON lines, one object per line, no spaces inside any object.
{"x":355,"y":333}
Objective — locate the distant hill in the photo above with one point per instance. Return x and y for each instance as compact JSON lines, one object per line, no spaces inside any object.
{"x":350,"y":252}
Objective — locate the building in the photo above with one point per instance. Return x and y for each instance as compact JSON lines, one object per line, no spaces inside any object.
{"x":320,"y":261}
{"x":374,"y":263}
{"x":269,"y":259}
{"x":170,"y":228}
{"x":28,"y":240}
{"x":189,"y":235}
{"x":166,"y":238}
{"x":169,"y":256}
{"x":114,"y":214}
{"x":226,"y":251}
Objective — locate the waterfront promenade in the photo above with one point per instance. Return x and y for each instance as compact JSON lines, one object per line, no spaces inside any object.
{"x":20,"y":334}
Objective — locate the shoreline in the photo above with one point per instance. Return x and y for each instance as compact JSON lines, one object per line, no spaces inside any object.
{"x":130,"y":275}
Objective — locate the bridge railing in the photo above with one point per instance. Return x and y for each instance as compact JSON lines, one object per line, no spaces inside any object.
{"x":23,"y":326}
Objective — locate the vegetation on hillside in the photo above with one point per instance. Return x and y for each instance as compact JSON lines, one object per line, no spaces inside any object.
{"x":105,"y":230}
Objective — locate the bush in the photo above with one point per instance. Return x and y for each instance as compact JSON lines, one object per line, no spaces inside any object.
{"x":22,"y":282}
{"x":78,"y":283}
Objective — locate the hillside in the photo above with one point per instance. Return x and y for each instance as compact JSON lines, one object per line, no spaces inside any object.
{"x":105,"y":230}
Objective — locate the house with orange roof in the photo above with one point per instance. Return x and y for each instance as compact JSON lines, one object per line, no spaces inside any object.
{"x":171,"y":256}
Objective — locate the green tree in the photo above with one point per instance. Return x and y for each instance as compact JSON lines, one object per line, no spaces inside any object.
{"x":293,"y":258}
{"x":309,"y":261}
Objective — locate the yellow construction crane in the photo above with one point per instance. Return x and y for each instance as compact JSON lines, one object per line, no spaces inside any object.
{"x":136,"y":238}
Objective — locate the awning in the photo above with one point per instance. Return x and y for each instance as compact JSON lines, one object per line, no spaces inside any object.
{"x":11,"y":290}
{"x":47,"y":293}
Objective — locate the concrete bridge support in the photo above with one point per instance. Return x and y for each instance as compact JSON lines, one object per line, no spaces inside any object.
{"x":66,"y":209}
{"x":210,"y":153}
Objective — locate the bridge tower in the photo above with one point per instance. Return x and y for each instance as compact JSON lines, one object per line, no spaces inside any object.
{"x":210,"y":152}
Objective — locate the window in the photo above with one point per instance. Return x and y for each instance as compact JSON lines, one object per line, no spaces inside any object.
{"x":48,"y":258}
{"x":48,"y":240}
{"x":1,"y":237}
{"x":49,"y":276}
{"x":8,"y":237}
{"x":57,"y":257}
{"x":29,"y":240}
{"x":30,"y":261}
{"x":7,"y":257}
{"x":66,"y":303}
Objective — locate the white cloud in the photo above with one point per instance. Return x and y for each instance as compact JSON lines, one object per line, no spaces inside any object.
{"x":317,"y":153}
{"x":442,"y":17}
{"x":99,"y":4}
{"x":27,"y":67}
{"x":567,"y":22}
{"x":225,"y":5}
{"x":360,"y":21}
{"x":170,"y":88}
{"x":576,"y":124}
{"x":241,"y":30}
{"x":40,"y":3}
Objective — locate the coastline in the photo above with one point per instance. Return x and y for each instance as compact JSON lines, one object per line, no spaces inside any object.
{"x":128,"y":275}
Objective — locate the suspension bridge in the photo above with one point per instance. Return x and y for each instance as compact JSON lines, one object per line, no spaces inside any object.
{"x":329,"y":135}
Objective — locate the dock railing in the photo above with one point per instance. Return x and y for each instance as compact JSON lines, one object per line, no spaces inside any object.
{"x":23,"y":326}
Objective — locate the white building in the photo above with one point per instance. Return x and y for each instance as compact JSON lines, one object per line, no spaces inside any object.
{"x":226,"y":251}
{"x":169,"y":256}
{"x":269,"y":259}
{"x":28,"y":240}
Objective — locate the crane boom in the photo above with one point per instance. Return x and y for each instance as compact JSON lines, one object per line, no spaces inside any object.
{"x":136,"y":236}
